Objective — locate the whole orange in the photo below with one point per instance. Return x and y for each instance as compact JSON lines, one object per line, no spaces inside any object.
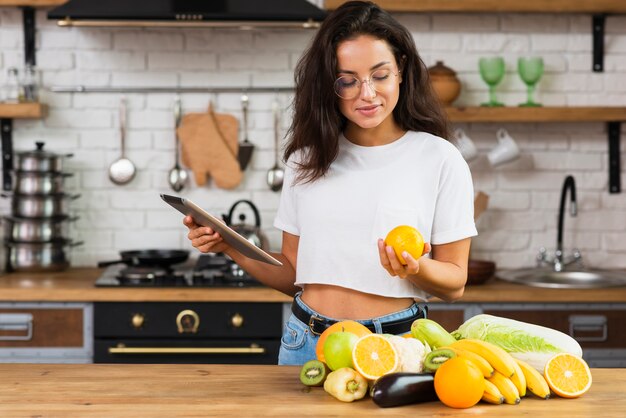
{"x":459,"y":383}
{"x":348,"y":326}
{"x":405,"y":238}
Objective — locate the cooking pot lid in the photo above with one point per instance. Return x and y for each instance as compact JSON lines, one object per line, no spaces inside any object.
{"x":38,"y":153}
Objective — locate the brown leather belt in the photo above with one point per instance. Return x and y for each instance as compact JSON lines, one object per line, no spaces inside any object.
{"x":319,"y":325}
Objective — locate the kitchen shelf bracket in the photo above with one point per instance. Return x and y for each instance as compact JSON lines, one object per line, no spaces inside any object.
{"x":598,"y":23}
{"x":6,"y":124}
{"x":614,"y":130}
{"x":6,"y":131}
{"x":28,"y":14}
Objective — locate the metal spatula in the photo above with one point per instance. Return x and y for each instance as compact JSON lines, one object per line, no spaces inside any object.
{"x":246,"y":147}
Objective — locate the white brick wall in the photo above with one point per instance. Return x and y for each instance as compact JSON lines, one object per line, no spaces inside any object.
{"x":524,"y":194}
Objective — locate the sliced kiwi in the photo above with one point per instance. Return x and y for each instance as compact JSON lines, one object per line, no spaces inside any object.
{"x":314,"y":372}
{"x":436,"y":358}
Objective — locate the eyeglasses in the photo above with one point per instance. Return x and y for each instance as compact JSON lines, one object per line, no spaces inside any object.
{"x":348,"y":86}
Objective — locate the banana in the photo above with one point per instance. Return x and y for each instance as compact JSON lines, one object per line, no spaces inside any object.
{"x":492,"y":394}
{"x":506,"y":387}
{"x":479,"y":361}
{"x":519,"y":379}
{"x":535,"y":382}
{"x":499,"y":359}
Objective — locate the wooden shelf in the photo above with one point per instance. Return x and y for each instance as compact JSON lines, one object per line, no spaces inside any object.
{"x":523,"y":6}
{"x":536,"y":114}
{"x":32,"y":3}
{"x":22,"y":110}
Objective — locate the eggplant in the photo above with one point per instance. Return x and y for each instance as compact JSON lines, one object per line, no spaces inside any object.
{"x":403,"y":388}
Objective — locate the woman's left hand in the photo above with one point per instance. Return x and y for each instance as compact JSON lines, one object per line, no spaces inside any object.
{"x":392,"y":264}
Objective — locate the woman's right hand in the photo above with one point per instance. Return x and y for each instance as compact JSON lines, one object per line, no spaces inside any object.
{"x":204,"y":238}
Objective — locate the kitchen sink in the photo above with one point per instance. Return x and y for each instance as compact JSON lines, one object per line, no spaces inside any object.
{"x":574,"y":279}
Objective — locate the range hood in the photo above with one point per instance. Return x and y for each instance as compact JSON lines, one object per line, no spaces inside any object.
{"x":241,"y":14}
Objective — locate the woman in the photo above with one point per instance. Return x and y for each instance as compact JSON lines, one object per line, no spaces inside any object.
{"x":365,"y":153}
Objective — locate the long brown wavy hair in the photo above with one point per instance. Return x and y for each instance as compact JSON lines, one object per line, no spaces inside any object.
{"x":317,"y":121}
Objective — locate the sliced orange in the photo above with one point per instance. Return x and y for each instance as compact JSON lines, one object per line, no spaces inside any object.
{"x":374,"y":356}
{"x":567,"y":375}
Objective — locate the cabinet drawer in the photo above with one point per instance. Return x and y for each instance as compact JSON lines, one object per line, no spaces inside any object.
{"x":41,"y":327}
{"x":591,"y":328}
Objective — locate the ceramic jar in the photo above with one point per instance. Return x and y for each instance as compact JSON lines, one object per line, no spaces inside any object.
{"x":445,"y":83}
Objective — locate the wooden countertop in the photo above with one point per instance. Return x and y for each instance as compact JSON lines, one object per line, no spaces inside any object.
{"x":206,"y":390}
{"x":77,"y":285}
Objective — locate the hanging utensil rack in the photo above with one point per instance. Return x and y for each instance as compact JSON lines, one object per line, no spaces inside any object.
{"x":169,"y":89}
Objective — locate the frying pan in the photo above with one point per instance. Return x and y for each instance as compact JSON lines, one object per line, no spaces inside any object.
{"x":161,"y":258}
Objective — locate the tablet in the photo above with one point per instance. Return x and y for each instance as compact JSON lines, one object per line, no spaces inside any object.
{"x":234,"y":239}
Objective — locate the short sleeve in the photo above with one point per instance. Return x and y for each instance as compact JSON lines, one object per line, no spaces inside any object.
{"x":287,"y":214}
{"x":454,"y":210}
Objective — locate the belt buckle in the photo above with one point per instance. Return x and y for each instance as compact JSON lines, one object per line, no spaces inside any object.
{"x":312,"y":324}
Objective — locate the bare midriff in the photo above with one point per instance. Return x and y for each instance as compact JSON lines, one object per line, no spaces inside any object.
{"x":342,"y":303}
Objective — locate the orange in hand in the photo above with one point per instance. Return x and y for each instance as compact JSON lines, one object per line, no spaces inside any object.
{"x":405,"y":238}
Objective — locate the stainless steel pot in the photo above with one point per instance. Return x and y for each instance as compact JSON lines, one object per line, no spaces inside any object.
{"x":39,"y":160}
{"x":41,"y":206}
{"x":38,"y":257}
{"x":35,"y":182}
{"x":36,"y":230}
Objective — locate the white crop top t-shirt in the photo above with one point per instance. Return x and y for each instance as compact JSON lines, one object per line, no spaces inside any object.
{"x":419,"y":180}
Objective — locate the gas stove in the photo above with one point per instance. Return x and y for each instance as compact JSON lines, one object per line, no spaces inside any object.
{"x":207,"y":271}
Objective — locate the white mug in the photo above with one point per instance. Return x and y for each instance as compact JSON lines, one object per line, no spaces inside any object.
{"x":465,"y":145}
{"x":506,"y":150}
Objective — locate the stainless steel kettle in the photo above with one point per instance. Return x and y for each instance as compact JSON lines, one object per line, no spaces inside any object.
{"x":252,"y":233}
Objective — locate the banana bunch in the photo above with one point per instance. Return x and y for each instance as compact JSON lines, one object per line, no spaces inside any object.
{"x":506,"y":379}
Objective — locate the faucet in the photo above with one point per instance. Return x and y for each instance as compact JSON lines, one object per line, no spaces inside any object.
{"x":558,"y":261}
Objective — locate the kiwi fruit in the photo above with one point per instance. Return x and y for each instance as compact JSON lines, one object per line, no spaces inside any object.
{"x":314,"y":372}
{"x":436,"y":358}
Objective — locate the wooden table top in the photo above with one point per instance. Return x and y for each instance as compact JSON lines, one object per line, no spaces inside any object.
{"x":106,"y":390}
{"x":77,"y":285}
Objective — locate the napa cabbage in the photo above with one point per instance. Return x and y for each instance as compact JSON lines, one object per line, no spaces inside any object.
{"x":531,"y":343}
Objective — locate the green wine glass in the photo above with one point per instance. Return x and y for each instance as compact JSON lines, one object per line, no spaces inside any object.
{"x":530,"y":70}
{"x":492,"y":72}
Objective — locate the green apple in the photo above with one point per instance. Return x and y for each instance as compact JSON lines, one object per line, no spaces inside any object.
{"x":338,"y":349}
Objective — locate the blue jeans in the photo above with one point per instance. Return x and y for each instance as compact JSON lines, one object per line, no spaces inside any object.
{"x":298,"y":343}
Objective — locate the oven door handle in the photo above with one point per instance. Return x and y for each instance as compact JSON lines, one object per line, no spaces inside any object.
{"x":254,"y":349}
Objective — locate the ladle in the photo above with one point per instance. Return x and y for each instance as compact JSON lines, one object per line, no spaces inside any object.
{"x":122,"y":170}
{"x":177,"y":176}
{"x":276,"y":174}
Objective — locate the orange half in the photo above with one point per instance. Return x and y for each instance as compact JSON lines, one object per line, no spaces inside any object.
{"x":567,"y":375}
{"x":374,"y":356}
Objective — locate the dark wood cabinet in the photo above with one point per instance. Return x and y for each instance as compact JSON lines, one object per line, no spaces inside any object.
{"x":41,"y":327}
{"x":592,"y":328}
{"x":449,"y":319}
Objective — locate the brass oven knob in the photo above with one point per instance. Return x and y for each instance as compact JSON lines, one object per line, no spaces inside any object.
{"x":236,"y":321}
{"x":138,"y":320}
{"x":187,"y":321}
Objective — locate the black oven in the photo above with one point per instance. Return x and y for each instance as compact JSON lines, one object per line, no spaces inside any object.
{"x":179,"y":332}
